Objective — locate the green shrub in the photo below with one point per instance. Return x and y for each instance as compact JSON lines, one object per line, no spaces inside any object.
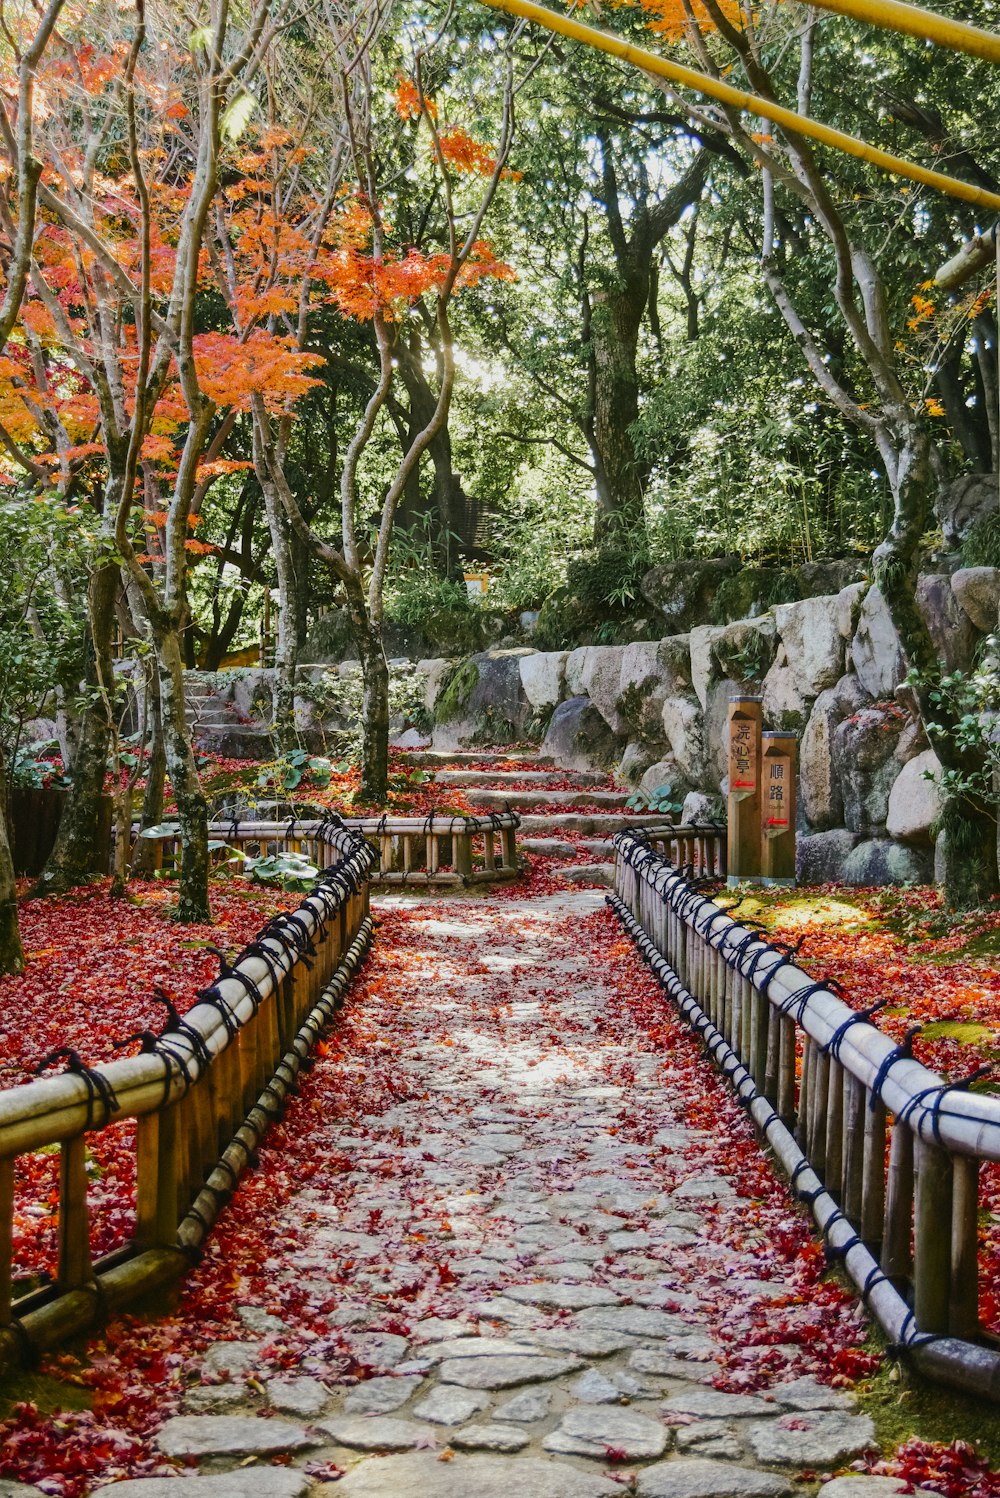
{"x":982,"y":545}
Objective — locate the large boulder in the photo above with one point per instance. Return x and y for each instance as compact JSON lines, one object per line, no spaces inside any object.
{"x":483,"y":701}
{"x":683,"y":727}
{"x":849,"y":603}
{"x":820,"y":858}
{"x":578,"y":738}
{"x":964,"y":501}
{"x":433,"y":674}
{"x":864,"y":762}
{"x":703,"y":664}
{"x":883,"y":861}
{"x":636,"y":760}
{"x":683,"y":591}
{"x":663,"y":772}
{"x":810,"y":634}
{"x":746,"y":649}
{"x":875,"y":650}
{"x":978,"y":592}
{"x":700,"y":810}
{"x":915,"y":799}
{"x":786,"y":705}
{"x":819,"y":784}
{"x":651,"y":671}
{"x":600,"y":678}
{"x":817,"y":579}
{"x":953,"y":632}
{"x":543,"y":676}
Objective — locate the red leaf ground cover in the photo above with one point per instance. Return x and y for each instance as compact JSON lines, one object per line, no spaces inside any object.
{"x":93,"y":963}
{"x":936,"y":969}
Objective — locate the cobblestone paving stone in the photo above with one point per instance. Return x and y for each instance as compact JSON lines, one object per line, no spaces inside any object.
{"x":524,"y":1244}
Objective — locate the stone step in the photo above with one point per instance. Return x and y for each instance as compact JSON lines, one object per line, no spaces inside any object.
{"x":429,"y":757}
{"x":490,"y":779}
{"x":498,"y":800}
{"x":594,"y":823}
{"x":588,"y":873}
{"x":553,"y":847}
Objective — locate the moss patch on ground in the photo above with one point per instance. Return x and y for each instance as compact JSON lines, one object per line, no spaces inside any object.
{"x":901,"y":1405}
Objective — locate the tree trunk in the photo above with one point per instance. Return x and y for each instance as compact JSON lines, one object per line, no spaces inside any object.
{"x":192,"y":807}
{"x":375,"y":700}
{"x":286,"y":646}
{"x":79,"y":853}
{"x":11,"y":951}
{"x":614,"y":336}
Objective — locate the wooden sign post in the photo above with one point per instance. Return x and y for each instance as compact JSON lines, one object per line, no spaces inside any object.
{"x":777,"y":858}
{"x":745,"y":719}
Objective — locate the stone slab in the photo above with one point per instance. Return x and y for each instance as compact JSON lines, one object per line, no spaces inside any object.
{"x":701,"y":1477}
{"x":423,"y":1476}
{"x":528,"y":1406}
{"x":251,"y":1482}
{"x":598,"y":1431}
{"x":448,"y":1405}
{"x":196,"y":1436}
{"x":380,"y":1396}
{"x":820,"y":1438}
{"x":298,"y":1396}
{"x":504,"y":1372}
{"x":378,"y":1433}
{"x":489,"y":1438}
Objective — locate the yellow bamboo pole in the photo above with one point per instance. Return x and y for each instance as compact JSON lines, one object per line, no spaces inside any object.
{"x":715,"y":88}
{"x":914,"y":20}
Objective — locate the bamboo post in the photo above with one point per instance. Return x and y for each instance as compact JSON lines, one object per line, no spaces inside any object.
{"x":785,"y":1107}
{"x":873,"y":1196}
{"x":75,"y":1268}
{"x":745,"y":720}
{"x":963,"y":1311}
{"x":897,"y":1258}
{"x":777,"y":859}
{"x":463,"y":855}
{"x":932,"y":1212}
{"x":854,"y":1147}
{"x":834,"y":1173}
{"x":773,"y":1066}
{"x":819,"y":1101}
{"x":802,"y":1126}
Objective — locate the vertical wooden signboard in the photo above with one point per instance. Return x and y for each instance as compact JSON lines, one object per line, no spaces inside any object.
{"x":745,"y":720}
{"x":777,"y":860}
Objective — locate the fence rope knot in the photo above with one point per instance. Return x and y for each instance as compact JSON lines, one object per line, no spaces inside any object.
{"x":99,"y":1089}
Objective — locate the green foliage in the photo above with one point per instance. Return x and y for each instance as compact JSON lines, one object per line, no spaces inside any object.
{"x":662,"y":799}
{"x":31,"y":766}
{"x":288,"y":871}
{"x":456,"y":691}
{"x":291,"y":768}
{"x":981,"y":547}
{"x":964,"y":705}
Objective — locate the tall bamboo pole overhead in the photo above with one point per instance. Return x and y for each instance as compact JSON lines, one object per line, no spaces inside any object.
{"x":726,"y":93}
{"x":914,"y":20}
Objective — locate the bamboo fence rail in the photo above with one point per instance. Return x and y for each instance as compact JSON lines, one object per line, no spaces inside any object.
{"x":700,"y":848}
{"x":885,"y":1153}
{"x":202,"y":1095}
{"x":437,"y":849}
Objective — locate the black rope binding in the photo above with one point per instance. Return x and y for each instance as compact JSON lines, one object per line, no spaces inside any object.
{"x":901,"y":1052}
{"x":99,"y":1089}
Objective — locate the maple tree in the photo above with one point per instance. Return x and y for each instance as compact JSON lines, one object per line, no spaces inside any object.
{"x":348,"y":248}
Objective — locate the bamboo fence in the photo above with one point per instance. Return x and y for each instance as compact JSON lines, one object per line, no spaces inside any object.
{"x":885,"y":1153}
{"x":202,"y":1095}
{"x":437,"y":849}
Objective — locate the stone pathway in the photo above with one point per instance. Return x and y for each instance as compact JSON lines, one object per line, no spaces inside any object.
{"x":520,"y":1244}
